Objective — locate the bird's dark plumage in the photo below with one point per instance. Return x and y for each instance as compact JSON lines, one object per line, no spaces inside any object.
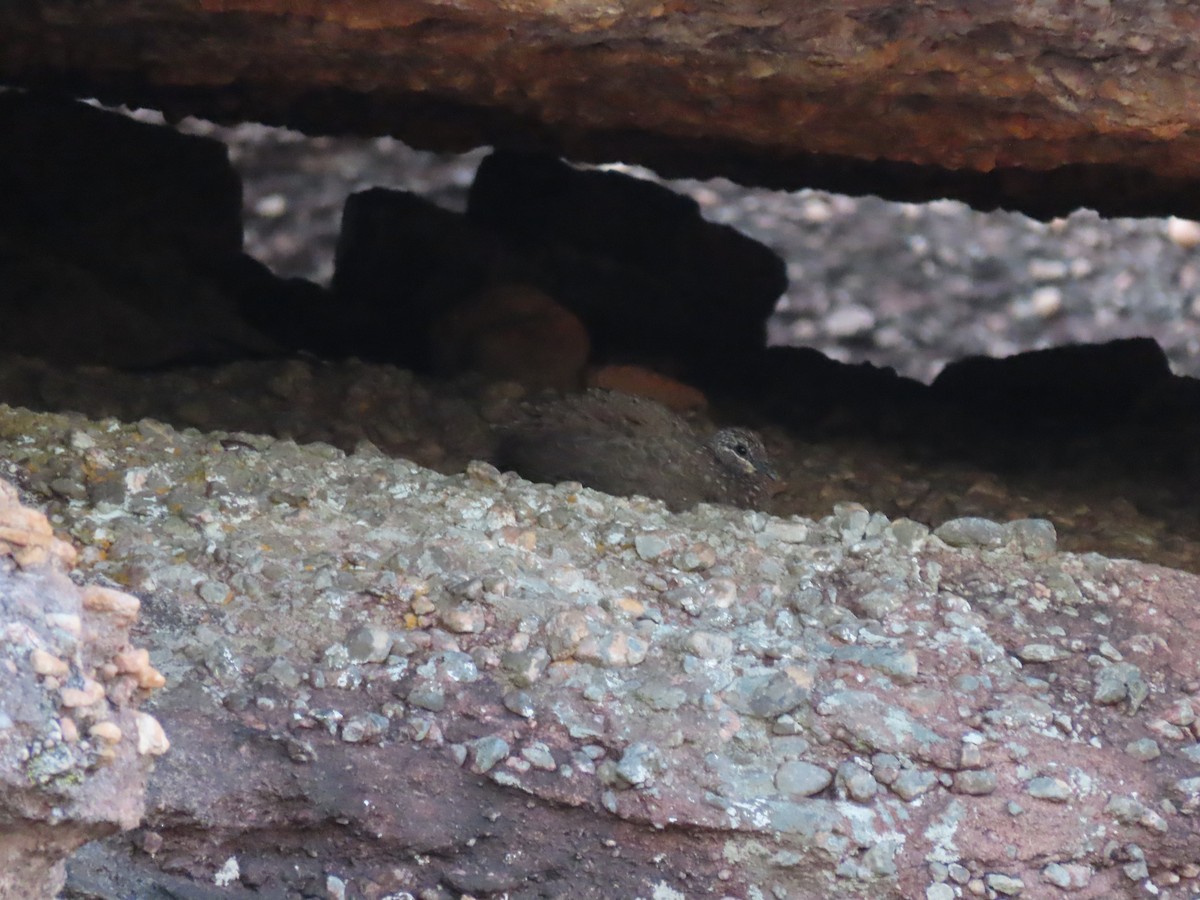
{"x":621,"y":444}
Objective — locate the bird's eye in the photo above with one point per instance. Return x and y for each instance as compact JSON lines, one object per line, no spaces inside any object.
{"x":741,"y":449}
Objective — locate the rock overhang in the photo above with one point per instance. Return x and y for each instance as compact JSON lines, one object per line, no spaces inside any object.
{"x":1012,"y":107}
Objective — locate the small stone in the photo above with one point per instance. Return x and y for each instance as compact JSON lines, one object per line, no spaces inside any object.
{"x":68,"y":622}
{"x":1144,"y":749}
{"x":857,"y":783}
{"x":976,"y":782}
{"x":697,"y":557}
{"x":1180,"y":712}
{"x":214,"y":592}
{"x":782,"y":694}
{"x":484,"y":473}
{"x":877,"y":604}
{"x":650,"y":546}
{"x":1183,"y":232}
{"x":1113,"y":683}
{"x":486,"y":752}
{"x":786,"y":531}
{"x":939,"y":892}
{"x":427,"y":696}
{"x":849,"y":320}
{"x":465,"y":619}
{"x":106,"y":600}
{"x":369,"y":644}
{"x":1004,"y":884}
{"x":565,"y":631}
{"x":1036,"y":538}
{"x":45,"y":663}
{"x":1042,"y":653}
{"x":1057,"y":875}
{"x":520,"y":703}
{"x":638,"y":764}
{"x":366,"y":728}
{"x":136,"y":662}
{"x":106,"y":732}
{"x":802,"y":778}
{"x":709,"y":645}
{"x":1046,"y":788}
{"x":229,"y":872}
{"x":525,"y":667}
{"x":67,"y":728}
{"x":885,"y":767}
{"x":616,"y":649}
{"x":909,"y":534}
{"x":1045,"y":302}
{"x":90,"y":692}
{"x":912,"y":783}
{"x":282,"y":672}
{"x":151,"y":739}
{"x":1136,"y":871}
{"x":958,"y":873}
{"x":972,"y":531}
{"x":539,"y":756}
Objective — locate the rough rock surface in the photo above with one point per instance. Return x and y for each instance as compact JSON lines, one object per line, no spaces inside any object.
{"x":909,"y":101}
{"x":74,"y":748}
{"x":129,"y":231}
{"x":474,"y":685}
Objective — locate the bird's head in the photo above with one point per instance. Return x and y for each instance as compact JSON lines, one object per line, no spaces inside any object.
{"x":741,"y":451}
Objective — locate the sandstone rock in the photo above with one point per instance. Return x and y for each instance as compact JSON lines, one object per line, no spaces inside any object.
{"x":691,"y":763}
{"x":1084,"y":105}
{"x":58,"y":791}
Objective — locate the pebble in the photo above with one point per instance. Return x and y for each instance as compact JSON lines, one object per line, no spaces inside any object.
{"x":1004,"y":884}
{"x":107,"y":732}
{"x":651,"y":546}
{"x":525,"y":667}
{"x":802,"y":778}
{"x":88,"y":693}
{"x":638,"y":764}
{"x":1042,"y":653}
{"x":106,"y":600}
{"x":44,"y":663}
{"x":709,"y":645}
{"x":972,"y":531}
{"x":565,"y":631}
{"x":786,"y":531}
{"x":616,"y":649}
{"x":369,"y":644}
{"x":151,"y":739}
{"x":367,"y":728}
{"x":465,"y":619}
{"x":975,"y":781}
{"x":1035,"y":538}
{"x":539,"y":756}
{"x":781,"y":694}
{"x":520,"y":703}
{"x":857,"y":782}
{"x":486,"y":752}
{"x":1183,"y":232}
{"x":1046,"y":788}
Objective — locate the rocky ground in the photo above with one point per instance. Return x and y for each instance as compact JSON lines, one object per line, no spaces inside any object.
{"x":586,"y":696}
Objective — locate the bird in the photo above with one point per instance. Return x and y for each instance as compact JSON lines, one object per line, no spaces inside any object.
{"x":626,"y":445}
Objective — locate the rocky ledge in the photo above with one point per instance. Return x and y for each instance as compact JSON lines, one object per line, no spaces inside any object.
{"x":382,"y":679}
